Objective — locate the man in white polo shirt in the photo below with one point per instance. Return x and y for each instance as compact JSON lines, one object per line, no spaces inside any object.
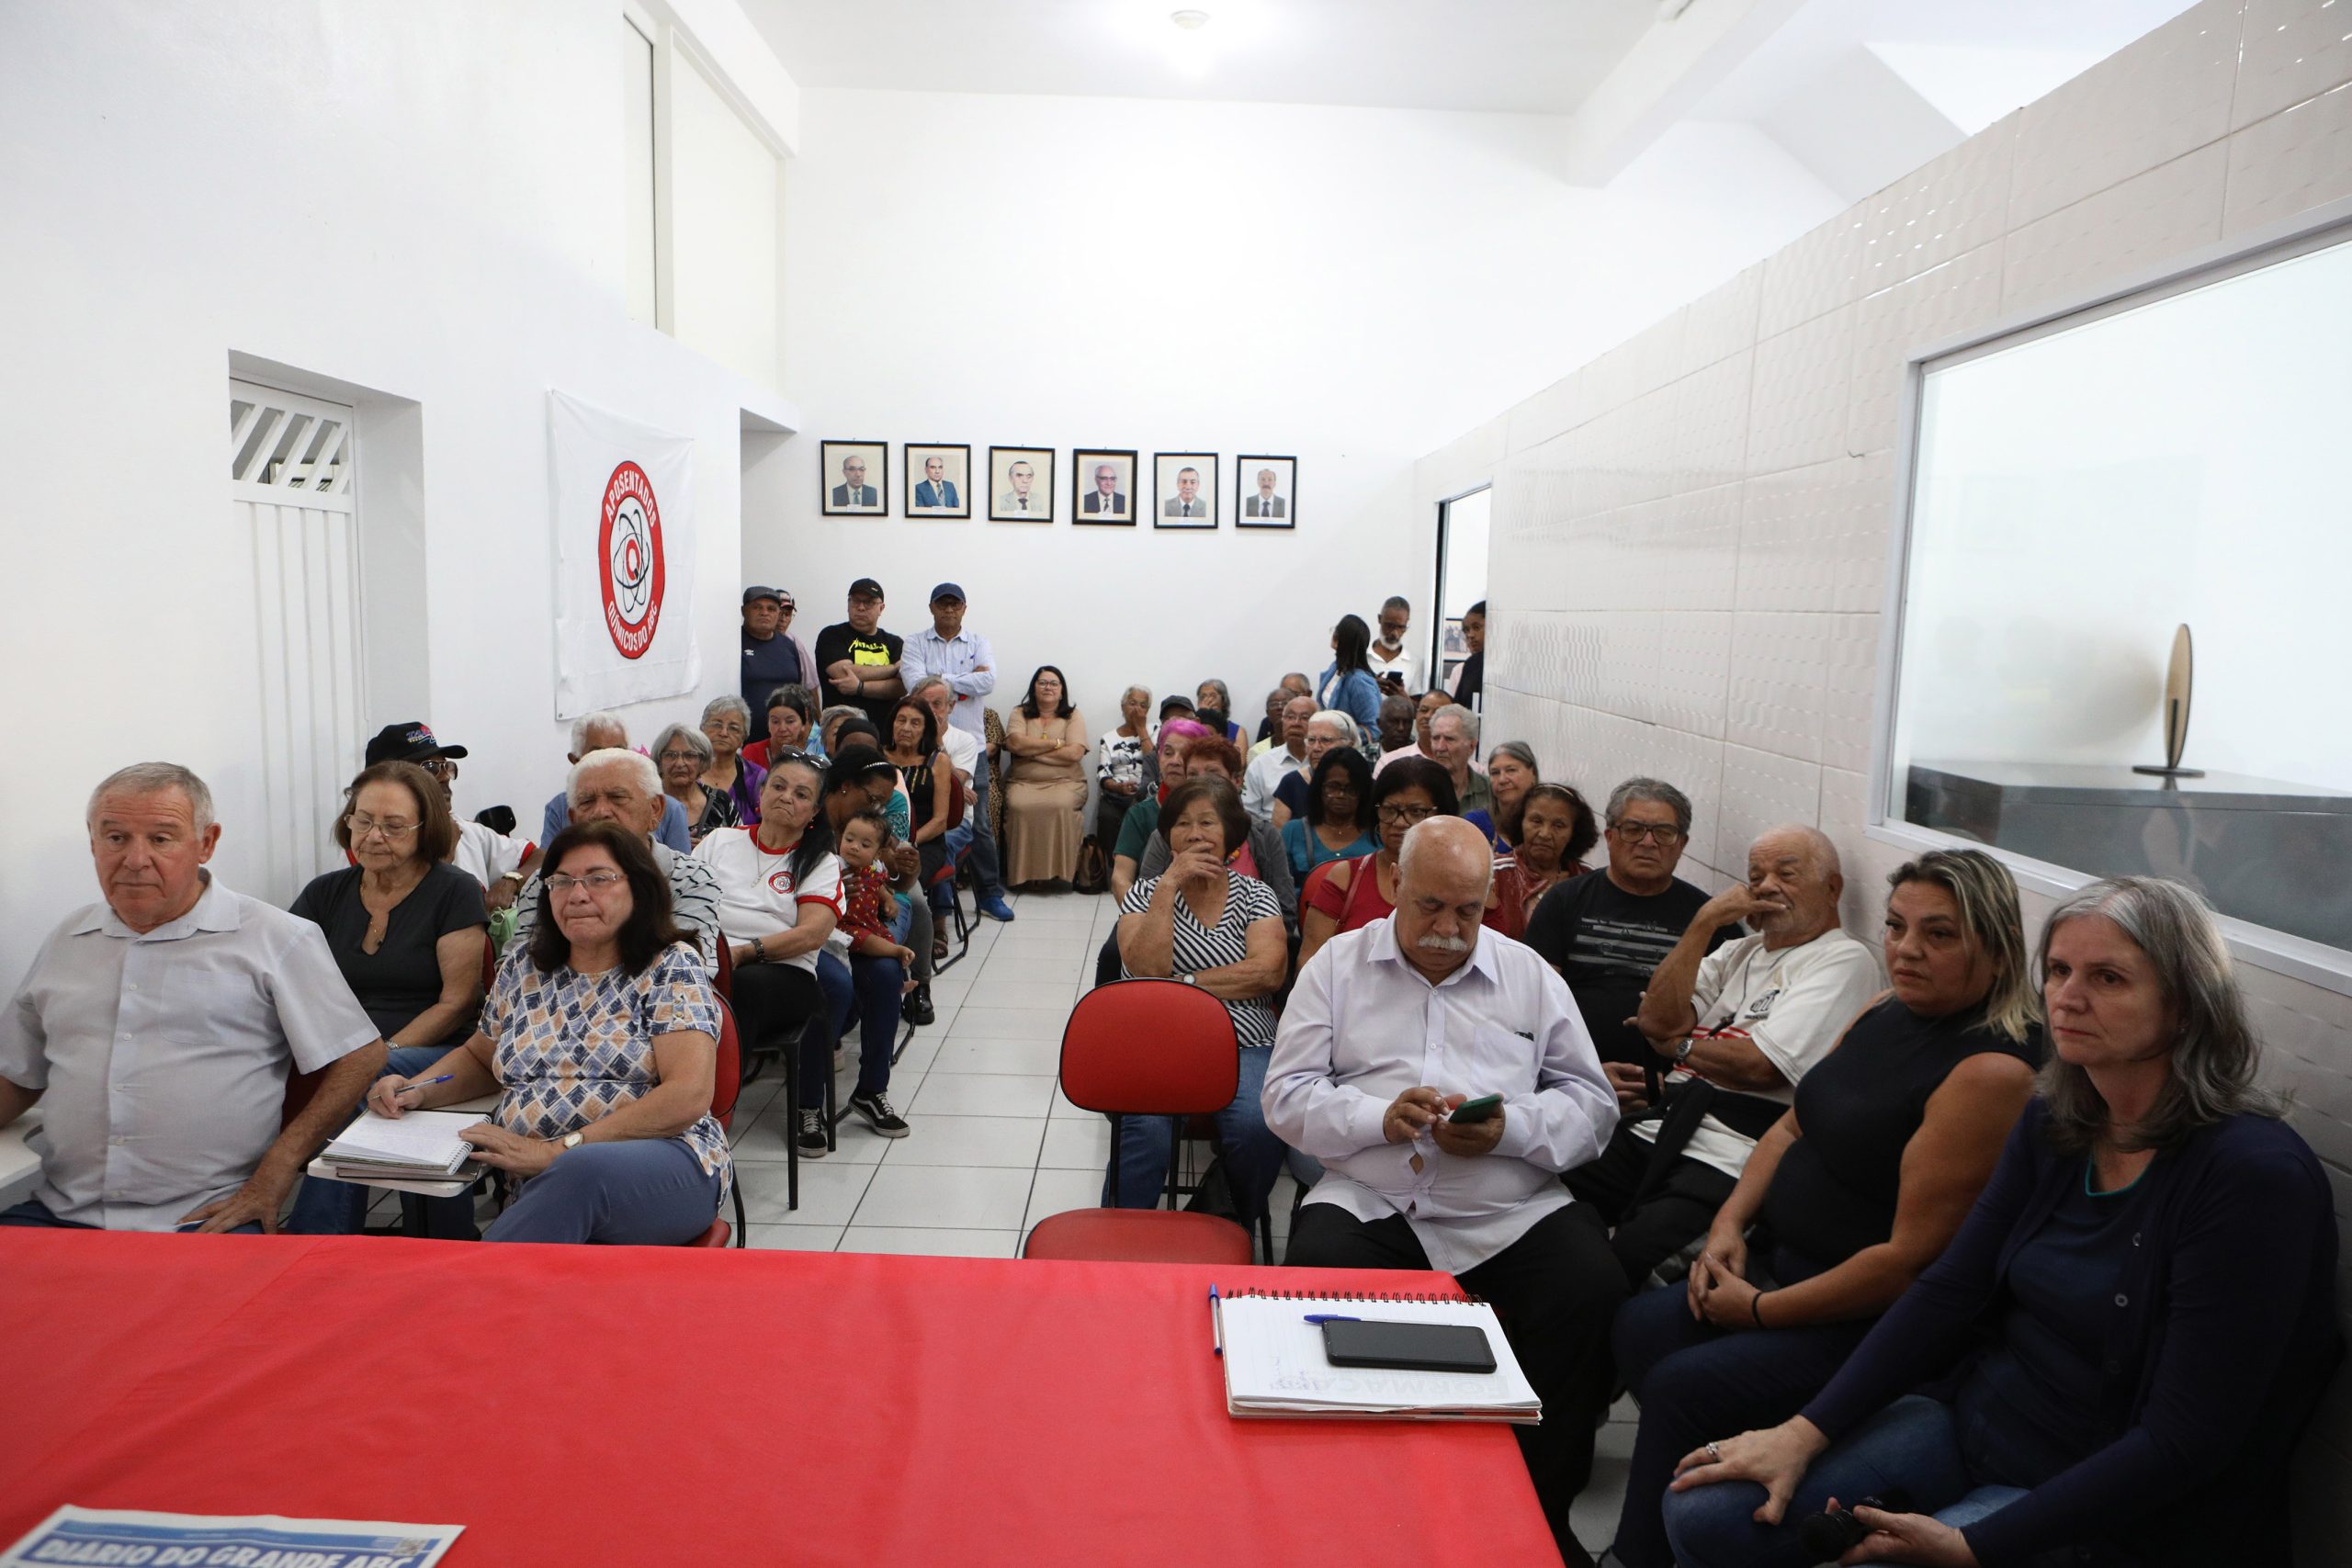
{"x":156,"y":1030}
{"x":1390,"y":1029}
{"x":963,"y":660}
{"x":1737,"y":1029}
{"x":1287,"y":756}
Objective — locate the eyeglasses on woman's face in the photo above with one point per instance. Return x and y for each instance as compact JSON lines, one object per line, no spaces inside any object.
{"x":596,"y":881}
{"x":387,"y":828}
{"x":676,"y":754}
{"x":1393,"y":815}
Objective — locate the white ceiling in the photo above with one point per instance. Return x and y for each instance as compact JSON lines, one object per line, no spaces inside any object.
{"x":1497,"y":56}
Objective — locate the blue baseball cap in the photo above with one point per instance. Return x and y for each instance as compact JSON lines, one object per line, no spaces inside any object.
{"x":948,"y":590}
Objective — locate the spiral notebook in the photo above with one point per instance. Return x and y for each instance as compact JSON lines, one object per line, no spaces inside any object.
{"x":1275,"y":1364}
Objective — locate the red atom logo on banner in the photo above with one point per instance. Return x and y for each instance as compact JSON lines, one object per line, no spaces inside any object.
{"x":628,"y":547}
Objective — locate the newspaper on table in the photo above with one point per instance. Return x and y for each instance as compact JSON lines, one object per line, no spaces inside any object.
{"x":131,"y":1536}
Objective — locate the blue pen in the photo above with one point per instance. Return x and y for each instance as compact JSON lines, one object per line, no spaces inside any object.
{"x":1216,"y":1323}
{"x":422,"y":1083}
{"x":1332,"y":1318}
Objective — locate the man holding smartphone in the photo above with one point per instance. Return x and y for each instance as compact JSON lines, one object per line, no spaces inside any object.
{"x":1443,"y":1077}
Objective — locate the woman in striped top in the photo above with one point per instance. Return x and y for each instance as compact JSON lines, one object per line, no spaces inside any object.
{"x":1207,"y":924}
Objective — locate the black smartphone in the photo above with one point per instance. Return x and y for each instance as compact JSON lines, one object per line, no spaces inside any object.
{"x":1482,"y":1109}
{"x":1416,"y":1346}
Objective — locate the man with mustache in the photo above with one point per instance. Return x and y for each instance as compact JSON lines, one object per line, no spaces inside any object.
{"x":1392,"y":1028}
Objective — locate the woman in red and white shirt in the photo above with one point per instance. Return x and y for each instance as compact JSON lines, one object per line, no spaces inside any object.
{"x":779,"y":898}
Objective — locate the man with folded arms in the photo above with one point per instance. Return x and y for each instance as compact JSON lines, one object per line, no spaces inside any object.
{"x":1737,"y":1025}
{"x":156,"y":1030}
{"x":619,"y":786}
{"x":1389,"y":1030}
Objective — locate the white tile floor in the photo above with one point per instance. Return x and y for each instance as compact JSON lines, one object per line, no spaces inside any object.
{"x":995,"y":1147}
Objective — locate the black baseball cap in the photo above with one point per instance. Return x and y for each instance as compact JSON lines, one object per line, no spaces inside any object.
{"x":762,"y":590}
{"x":409,"y":742}
{"x":1174,"y":705}
{"x":866,"y":588}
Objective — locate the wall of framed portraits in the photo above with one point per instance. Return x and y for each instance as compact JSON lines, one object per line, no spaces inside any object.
{"x":1215,"y":310}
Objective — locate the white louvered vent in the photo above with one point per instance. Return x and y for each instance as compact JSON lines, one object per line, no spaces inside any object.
{"x":281,"y":445}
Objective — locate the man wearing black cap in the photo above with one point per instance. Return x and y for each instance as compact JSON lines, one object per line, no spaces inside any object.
{"x":772,"y":656}
{"x":859,"y":660}
{"x":502,"y":864}
{"x":966,"y":664}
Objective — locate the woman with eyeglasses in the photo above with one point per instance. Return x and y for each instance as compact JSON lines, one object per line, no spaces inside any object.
{"x":1354,"y":893}
{"x":725,"y":723}
{"x":683,"y":754}
{"x":407,"y":931}
{"x":601,"y":1044}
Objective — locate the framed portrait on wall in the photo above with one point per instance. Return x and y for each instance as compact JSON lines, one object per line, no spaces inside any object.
{"x":938,"y":480}
{"x":853,"y":479}
{"x":1020,"y":484}
{"x":1184,"y":485}
{"x":1265,"y":491}
{"x":1102,"y":487}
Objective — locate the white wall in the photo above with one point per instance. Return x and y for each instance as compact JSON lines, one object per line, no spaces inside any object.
{"x":723,"y":210}
{"x":1689,"y":531}
{"x":417,"y":199}
{"x":1344,"y":285}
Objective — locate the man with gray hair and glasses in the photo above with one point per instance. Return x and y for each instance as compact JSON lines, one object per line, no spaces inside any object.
{"x":157,"y":1028}
{"x":1735,"y":1026}
{"x":606,"y":732}
{"x":617,"y":784}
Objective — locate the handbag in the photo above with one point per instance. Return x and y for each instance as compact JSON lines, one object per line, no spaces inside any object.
{"x":1093,"y":867}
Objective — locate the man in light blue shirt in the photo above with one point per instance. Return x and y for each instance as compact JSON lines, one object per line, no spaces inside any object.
{"x":964,"y":662}
{"x":1391,"y":1030}
{"x":599,"y":732}
{"x":156,"y":1030}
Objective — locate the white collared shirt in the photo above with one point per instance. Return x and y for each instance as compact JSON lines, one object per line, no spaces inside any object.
{"x":1264,"y":775}
{"x":926,"y":654}
{"x":162,"y":1056}
{"x":1363,"y":1026}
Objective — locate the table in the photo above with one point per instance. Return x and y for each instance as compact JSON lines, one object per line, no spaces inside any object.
{"x":2262,"y":850}
{"x":728,"y":1406}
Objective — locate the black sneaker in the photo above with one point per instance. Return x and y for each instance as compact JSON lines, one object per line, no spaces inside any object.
{"x":916,"y":1006}
{"x":810,"y":1138}
{"x":875,"y":1109}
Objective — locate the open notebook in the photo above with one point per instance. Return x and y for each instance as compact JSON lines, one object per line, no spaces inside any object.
{"x":419,"y":1147}
{"x":1274,"y":1363}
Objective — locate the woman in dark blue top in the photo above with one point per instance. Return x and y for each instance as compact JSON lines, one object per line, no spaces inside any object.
{"x":2120,"y":1345}
{"x":1853,"y":1192}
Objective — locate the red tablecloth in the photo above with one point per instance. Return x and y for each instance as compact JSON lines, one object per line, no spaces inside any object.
{"x":641,"y":1406}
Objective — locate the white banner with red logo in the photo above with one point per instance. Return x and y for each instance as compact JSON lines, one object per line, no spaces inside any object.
{"x":624,"y":559}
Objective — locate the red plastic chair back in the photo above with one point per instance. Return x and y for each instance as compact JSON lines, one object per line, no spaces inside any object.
{"x":489,"y":961}
{"x":727,"y":1080}
{"x":1151,"y":1047}
{"x":1314,"y":879}
{"x":722,"y":971}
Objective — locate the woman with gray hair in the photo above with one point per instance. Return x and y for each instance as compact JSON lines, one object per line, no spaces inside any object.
{"x":2126,"y":1336}
{"x":1329,"y":729}
{"x":1511,"y":773}
{"x":683,"y":755}
{"x":726,"y":721}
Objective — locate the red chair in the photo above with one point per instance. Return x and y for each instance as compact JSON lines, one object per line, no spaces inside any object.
{"x":722,"y":978}
{"x":1146,"y":1048}
{"x":726,"y":1084}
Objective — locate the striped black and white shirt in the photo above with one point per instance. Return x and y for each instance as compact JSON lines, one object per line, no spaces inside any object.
{"x":1199,"y":947}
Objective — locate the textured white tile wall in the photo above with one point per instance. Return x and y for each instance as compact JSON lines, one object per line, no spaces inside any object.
{"x":1690,"y":579}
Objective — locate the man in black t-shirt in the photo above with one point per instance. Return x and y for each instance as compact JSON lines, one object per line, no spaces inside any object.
{"x":1607,"y":933}
{"x":859,"y":660}
{"x":772,"y":657}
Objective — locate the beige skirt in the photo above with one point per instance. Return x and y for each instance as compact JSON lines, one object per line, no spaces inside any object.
{"x":1042,"y":821}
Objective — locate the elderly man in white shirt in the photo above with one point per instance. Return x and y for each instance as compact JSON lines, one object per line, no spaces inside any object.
{"x":1390,"y":1031}
{"x":617,"y":784}
{"x":1287,"y":756}
{"x":156,"y":1030}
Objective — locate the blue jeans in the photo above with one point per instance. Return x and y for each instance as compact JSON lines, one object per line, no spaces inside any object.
{"x":1696,"y":1384}
{"x":1253,"y":1155}
{"x":340,"y":1208}
{"x":33,"y":1213}
{"x":1914,"y":1443}
{"x":985,"y":882}
{"x":865,"y":989}
{"x":637,"y":1193}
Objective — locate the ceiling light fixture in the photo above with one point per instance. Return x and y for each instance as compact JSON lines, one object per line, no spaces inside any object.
{"x":1188,"y":50}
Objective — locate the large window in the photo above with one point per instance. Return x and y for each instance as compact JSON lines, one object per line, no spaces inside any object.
{"x":2079,"y":491}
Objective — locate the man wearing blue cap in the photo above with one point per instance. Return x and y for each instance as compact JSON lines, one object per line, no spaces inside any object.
{"x":966,"y":665}
{"x":772,"y":655}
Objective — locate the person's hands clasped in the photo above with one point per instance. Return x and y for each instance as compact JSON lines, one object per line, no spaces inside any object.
{"x":494,"y":1145}
{"x":1410,"y":1114}
{"x":1909,"y":1538}
{"x":1722,"y":1296}
{"x":1725,"y":1254}
{"x":1468,"y":1138}
{"x":1774,"y":1458}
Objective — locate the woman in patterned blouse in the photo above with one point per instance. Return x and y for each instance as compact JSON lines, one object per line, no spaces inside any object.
{"x":603,"y":1038}
{"x":1208,"y":925}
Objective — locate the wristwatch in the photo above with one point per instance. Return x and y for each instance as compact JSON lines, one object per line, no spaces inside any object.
{"x":516,"y":878}
{"x":1682,"y":1051}
{"x":573,"y":1139}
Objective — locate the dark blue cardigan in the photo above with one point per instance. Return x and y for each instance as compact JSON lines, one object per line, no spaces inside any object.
{"x":2224,"y":1335}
